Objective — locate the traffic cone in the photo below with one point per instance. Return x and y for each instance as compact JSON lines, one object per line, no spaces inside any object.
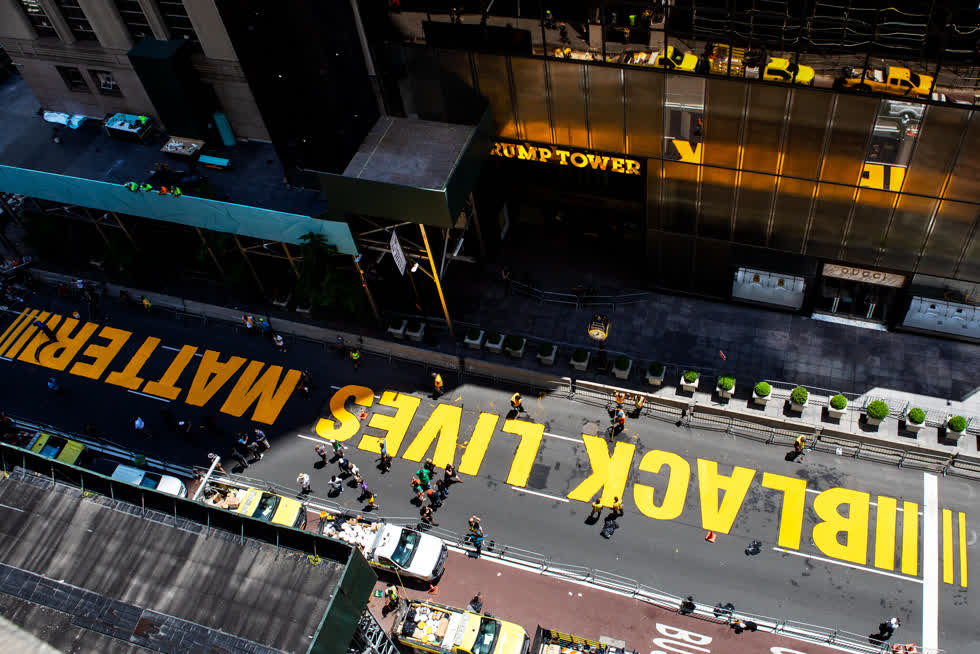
{"x":433,"y":590}
{"x":363,"y":414}
{"x":710,"y":536}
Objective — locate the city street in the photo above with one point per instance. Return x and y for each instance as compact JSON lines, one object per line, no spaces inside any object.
{"x":843,"y":543}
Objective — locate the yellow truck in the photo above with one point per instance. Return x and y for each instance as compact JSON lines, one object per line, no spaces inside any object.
{"x":892,"y":80}
{"x":423,"y":626}
{"x":56,"y":447}
{"x":269,"y":507}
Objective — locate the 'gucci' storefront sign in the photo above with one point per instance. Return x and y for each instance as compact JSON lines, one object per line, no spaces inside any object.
{"x":863,"y":275}
{"x":561,"y":157}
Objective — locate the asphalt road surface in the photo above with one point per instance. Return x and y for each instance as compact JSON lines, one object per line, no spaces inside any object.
{"x":843,"y":543}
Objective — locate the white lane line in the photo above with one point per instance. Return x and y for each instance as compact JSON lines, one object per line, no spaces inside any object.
{"x":310,"y":438}
{"x":177,"y":349}
{"x":874,"y":504}
{"x":564,"y":438}
{"x":152,"y":397}
{"x":336,"y":388}
{"x":848,"y":565}
{"x":6,"y":358}
{"x":550,"y":497}
{"x":930,"y":563}
{"x":12,"y":508}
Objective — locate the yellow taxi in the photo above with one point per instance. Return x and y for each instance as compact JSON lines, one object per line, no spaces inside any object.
{"x":893,"y":80}
{"x":673,"y":59}
{"x":784,"y":70}
{"x":56,"y":447}
{"x":269,"y":507}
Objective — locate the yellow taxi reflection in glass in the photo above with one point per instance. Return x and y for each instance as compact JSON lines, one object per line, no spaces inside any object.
{"x":784,"y":70}
{"x":673,"y":59}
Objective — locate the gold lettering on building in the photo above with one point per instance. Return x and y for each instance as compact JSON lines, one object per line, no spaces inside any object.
{"x":543,"y":154}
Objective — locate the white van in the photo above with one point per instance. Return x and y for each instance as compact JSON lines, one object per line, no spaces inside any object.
{"x":138,"y":477}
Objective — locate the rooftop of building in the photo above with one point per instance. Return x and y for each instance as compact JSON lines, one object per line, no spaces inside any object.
{"x":87,"y":573}
{"x":254,"y":178}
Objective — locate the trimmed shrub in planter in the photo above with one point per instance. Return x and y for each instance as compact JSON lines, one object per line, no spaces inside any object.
{"x":690,"y":380}
{"x":877,"y":411}
{"x":414,"y":330}
{"x":495,"y":342}
{"x":726,"y":387}
{"x":580,"y":359}
{"x":838,"y":404}
{"x":957,"y":425}
{"x":547,"y":353}
{"x":515,"y":345}
{"x":655,"y":373}
{"x":914,"y":419}
{"x":798,"y":398}
{"x":761,"y":393}
{"x":474,"y":338}
{"x":622,"y":367}
{"x":396,"y":328}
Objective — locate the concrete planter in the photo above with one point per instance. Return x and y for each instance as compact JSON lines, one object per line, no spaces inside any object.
{"x":519,"y":352}
{"x":623,"y":373}
{"x":911,"y":426}
{"x":398,"y":331}
{"x":656,"y":380}
{"x":496,"y":347}
{"x":582,"y":365}
{"x":550,"y":359}
{"x":798,"y":407}
{"x":475,"y":343}
{"x":952,"y":434}
{"x":761,"y":400}
{"x":726,"y":395}
{"x":416,"y":335}
{"x":836,"y":413}
{"x":690,"y":387}
{"x":873,"y":421}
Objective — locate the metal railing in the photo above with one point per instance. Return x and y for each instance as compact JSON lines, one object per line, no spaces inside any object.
{"x":585,"y":298}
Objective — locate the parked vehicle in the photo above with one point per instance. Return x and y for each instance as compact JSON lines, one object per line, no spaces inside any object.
{"x":56,"y":447}
{"x":672,"y":58}
{"x":549,"y":641}
{"x":139,"y":477}
{"x":784,"y":70}
{"x":407,"y":552}
{"x":893,"y":80}
{"x":423,"y":626}
{"x":255,"y":503}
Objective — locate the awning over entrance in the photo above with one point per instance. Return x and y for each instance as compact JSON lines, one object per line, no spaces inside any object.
{"x":411,"y":170}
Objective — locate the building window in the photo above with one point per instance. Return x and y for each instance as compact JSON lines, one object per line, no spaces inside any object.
{"x":135,"y":20}
{"x":175,"y":17}
{"x":896,"y":129}
{"x":38,"y":18}
{"x":105,"y":83}
{"x":76,"y":19}
{"x":73,"y":79}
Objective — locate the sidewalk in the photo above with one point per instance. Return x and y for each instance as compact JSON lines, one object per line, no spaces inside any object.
{"x":531,"y":599}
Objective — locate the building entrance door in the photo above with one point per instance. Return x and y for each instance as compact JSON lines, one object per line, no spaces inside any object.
{"x":853,"y":299}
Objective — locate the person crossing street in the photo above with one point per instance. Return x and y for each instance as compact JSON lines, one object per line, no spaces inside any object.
{"x":799,"y":448}
{"x":515,"y":403}
{"x":437,"y":384}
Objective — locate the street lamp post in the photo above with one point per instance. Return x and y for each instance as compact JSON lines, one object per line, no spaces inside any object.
{"x":435,"y":278}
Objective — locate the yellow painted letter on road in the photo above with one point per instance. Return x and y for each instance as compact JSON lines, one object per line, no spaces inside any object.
{"x":794,"y":502}
{"x":267,"y":394}
{"x":25,"y":335}
{"x":347,"y":423}
{"x":166,"y":386}
{"x":719,"y":516}
{"x":102,"y":355}
{"x":444,"y":423}
{"x":476,"y":448}
{"x":910,"y":538}
{"x":29,"y":354}
{"x":680,"y":476}
{"x":609,"y":473}
{"x":886,"y":513}
{"x":531,"y":434}
{"x":395,"y":427}
{"x":826,"y":534}
{"x":58,"y":355}
{"x":211,"y":375}
{"x":13,"y":328}
{"x":129,"y":378}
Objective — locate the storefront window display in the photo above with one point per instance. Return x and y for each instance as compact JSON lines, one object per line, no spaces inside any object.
{"x":770,"y":288}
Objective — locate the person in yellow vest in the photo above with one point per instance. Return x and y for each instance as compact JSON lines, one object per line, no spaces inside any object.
{"x":437,"y":383}
{"x":355,"y":357}
{"x":515,"y":402}
{"x":146,"y":302}
{"x":617,"y":507}
{"x":638,"y":402}
{"x":596,"y":508}
{"x":799,"y":448}
{"x":392,"y":598}
{"x":620,"y":398}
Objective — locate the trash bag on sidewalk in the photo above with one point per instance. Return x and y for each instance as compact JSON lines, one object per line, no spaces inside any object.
{"x":609,"y":527}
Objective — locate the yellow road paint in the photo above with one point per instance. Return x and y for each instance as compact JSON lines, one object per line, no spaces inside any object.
{"x":531,"y":434}
{"x":102,"y":355}
{"x":609,"y":473}
{"x":58,"y":355}
{"x":347,"y":423}
{"x":166,"y":386}
{"x":962,"y":537}
{"x":29,"y":353}
{"x":854,"y":527}
{"x":395,"y":427}
{"x":910,"y":538}
{"x":794,"y":502}
{"x":268,"y":394}
{"x":948,"y":546}
{"x":26,"y":333}
{"x":885,"y":517}
{"x":444,"y":424}
{"x":716,"y":516}
{"x":13,"y":328}
{"x":476,"y":448}
{"x":129,"y":378}
{"x":677,"y":482}
{"x":210,"y":376}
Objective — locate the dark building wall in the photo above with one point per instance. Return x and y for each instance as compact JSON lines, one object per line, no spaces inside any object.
{"x":305,"y":66}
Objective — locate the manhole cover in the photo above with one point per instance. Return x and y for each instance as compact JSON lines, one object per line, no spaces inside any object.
{"x":539,"y":476}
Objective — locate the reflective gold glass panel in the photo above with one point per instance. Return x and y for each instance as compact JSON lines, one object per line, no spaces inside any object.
{"x":907,"y":232}
{"x":568,"y":103}
{"x":723,"y":122}
{"x":829,"y":218}
{"x":492,"y":70}
{"x":606,"y":115}
{"x":854,"y":120}
{"x":952,"y":226}
{"x":644,"y":112}
{"x":935,"y":150}
{"x":754,"y":202}
{"x":790,"y":214}
{"x":717,"y":195}
{"x":532,"y":102}
{"x":807,"y":127}
{"x":963,"y":183}
{"x":868,"y":226}
{"x":766,"y":112}
{"x":680,"y":191}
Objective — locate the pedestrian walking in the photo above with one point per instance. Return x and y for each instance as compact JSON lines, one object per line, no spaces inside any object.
{"x":281,"y":344}
{"x":392,"y":598}
{"x":416,"y":487}
{"x":249,"y":323}
{"x":261,"y":440}
{"x":355,"y":473}
{"x":338,"y":449}
{"x":451,"y":475}
{"x":424,"y":476}
{"x":515,"y":403}
{"x":617,"y":507}
{"x":478,"y":542}
{"x":434,"y":500}
{"x":887,"y":628}
{"x":799,"y":448}
{"x":372,"y":503}
{"x":355,"y":357}
{"x":474,"y":525}
{"x":437,"y":384}
{"x":596,"y":508}
{"x":336,"y":484}
{"x":47,"y":331}
{"x":263,"y":326}
{"x":53,"y":385}
{"x":638,"y":402}
{"x":145,"y":303}
{"x":441,"y":490}
{"x":365,"y":491}
{"x":426,"y":512}
{"x":138,"y":424}
{"x":618,"y":422}
{"x":344,"y":465}
{"x":385,"y":459}
{"x":305,"y":383}
{"x":321,"y":452}
{"x":254,"y":450}
{"x":242,"y":450}
{"x":303,"y":480}
{"x":184,"y":428}
{"x":429,"y":465}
